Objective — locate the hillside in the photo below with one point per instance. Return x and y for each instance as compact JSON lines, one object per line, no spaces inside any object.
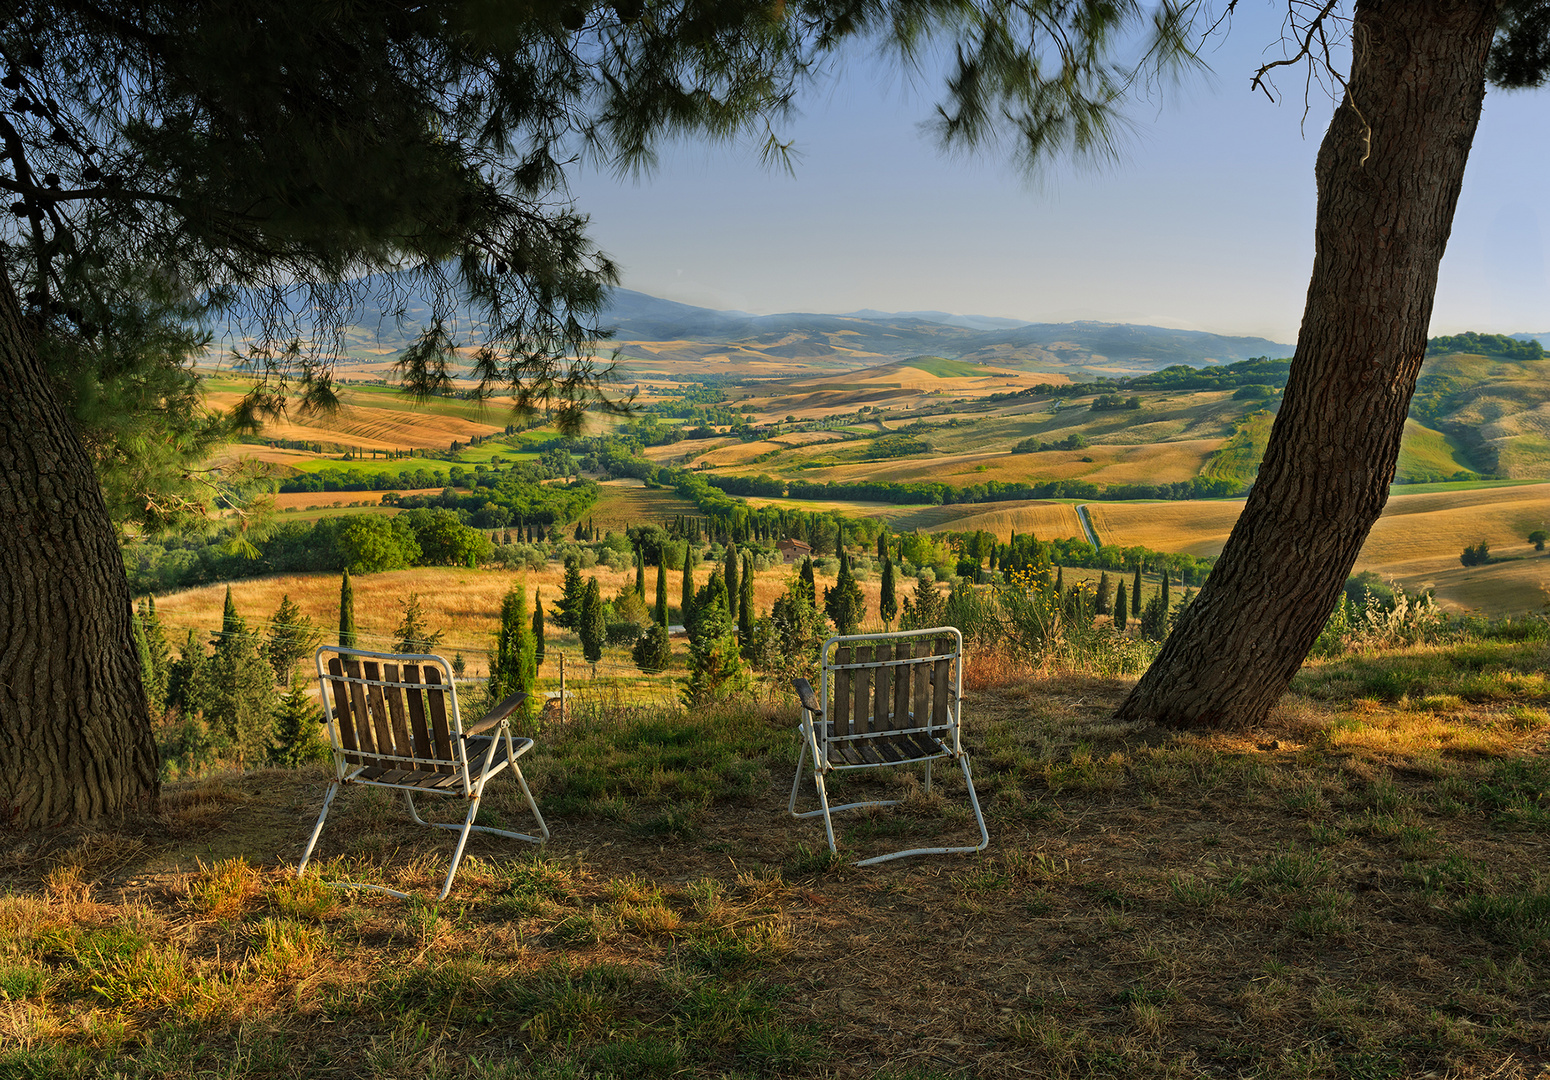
{"x":1490,"y":395}
{"x":663,"y":339}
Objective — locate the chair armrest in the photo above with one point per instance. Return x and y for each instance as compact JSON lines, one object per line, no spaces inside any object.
{"x":495,"y":715}
{"x":807,"y":696}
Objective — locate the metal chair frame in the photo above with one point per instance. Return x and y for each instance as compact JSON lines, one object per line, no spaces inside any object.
{"x":874,"y":724}
{"x":388,"y":723}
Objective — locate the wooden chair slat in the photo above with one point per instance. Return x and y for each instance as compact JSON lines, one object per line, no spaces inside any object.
{"x":839,"y":703}
{"x":414,"y":698}
{"x":939,"y":684}
{"x":901,"y":684}
{"x":380,"y":723}
{"x":882,"y":692}
{"x":437,"y":702}
{"x":860,"y":686}
{"x":390,"y":729}
{"x":396,"y":714}
{"x":921,"y":674}
{"x":363,"y":728}
{"x":342,"y":718}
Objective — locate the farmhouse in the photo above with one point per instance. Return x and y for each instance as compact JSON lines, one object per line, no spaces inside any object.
{"x":792,"y":550}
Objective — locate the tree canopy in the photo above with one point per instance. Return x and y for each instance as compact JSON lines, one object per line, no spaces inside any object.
{"x":288,"y":161}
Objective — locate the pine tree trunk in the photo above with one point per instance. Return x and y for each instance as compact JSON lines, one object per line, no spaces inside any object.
{"x":75,"y":731}
{"x":1386,"y":197}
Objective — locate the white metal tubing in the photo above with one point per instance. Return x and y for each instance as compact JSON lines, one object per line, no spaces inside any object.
{"x":817,"y":743}
{"x":328,"y":800}
{"x":458,"y":750}
{"x":471,"y":787}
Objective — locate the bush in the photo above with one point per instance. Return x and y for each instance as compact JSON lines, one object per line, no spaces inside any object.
{"x":653,"y":650}
{"x":1477,"y":554}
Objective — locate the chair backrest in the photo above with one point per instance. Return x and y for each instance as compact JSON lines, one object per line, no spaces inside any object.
{"x":908,"y":681}
{"x":390,"y":712}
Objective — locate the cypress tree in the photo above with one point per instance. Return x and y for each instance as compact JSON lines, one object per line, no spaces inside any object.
{"x":592,"y":629}
{"x":347,"y":635}
{"x":734,"y":592}
{"x":686,"y":601}
{"x":298,"y":739}
{"x":1167,"y":598}
{"x":808,"y":580}
{"x":888,"y":601}
{"x":512,"y":666}
{"x":1101,"y":601}
{"x":538,"y":629}
{"x":1060,"y":581}
{"x":661,"y":609}
{"x":640,"y":573}
{"x":161,"y":657}
{"x":1121,"y":616}
{"x":745,"y":614}
{"x":143,"y":650}
{"x":231,"y":622}
{"x":882,"y":545}
{"x":1135,"y":593}
{"x":291,"y":637}
{"x":568,"y":610}
{"x":843,"y":602}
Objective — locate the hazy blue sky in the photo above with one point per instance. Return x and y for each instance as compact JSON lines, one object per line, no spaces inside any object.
{"x":1206,"y":223}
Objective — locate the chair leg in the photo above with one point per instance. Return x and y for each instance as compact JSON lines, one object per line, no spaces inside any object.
{"x":413,"y":813}
{"x":462,"y":841}
{"x":974,"y":801}
{"x":928,"y":778}
{"x":328,"y":799}
{"x":532,"y":804}
{"x":823,"y":799}
{"x":796,"y":781}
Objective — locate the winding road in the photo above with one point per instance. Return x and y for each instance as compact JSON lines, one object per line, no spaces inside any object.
{"x":1087,"y":525}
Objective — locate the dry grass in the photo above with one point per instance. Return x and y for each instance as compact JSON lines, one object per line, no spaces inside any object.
{"x":371,"y":426}
{"x":1341,"y":893}
{"x":1196,"y":528}
{"x":315,"y":500}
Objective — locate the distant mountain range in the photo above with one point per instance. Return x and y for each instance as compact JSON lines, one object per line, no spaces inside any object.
{"x":862,"y":338}
{"x":794,"y":342}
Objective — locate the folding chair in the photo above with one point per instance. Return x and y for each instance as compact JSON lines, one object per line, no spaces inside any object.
{"x":886,"y":699}
{"x":388,"y":719}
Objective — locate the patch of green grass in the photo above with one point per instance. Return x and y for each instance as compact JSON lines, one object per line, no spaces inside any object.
{"x":20,"y":982}
{"x":1520,"y":917}
{"x":1518,"y":791}
{"x":657,"y":758}
{"x":1289,"y":870}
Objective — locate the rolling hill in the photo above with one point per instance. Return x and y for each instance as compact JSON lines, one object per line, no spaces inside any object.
{"x":661,"y":338}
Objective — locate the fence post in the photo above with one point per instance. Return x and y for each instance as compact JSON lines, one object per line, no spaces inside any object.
{"x":562,"y":688}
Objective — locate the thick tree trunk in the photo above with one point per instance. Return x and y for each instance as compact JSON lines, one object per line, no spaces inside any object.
{"x":75,"y":732}
{"x":1389,"y":173}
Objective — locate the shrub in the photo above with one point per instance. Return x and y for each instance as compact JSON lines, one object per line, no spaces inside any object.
{"x":1477,"y":554}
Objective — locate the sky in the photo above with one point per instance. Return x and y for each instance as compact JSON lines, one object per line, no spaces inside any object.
{"x":1205,"y":223}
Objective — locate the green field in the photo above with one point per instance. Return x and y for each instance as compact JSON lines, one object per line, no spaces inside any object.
{"x":943,"y":368}
{"x":1239,"y":457}
{"x":1428,"y":454}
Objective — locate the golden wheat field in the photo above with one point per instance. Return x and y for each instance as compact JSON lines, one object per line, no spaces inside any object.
{"x":463,"y":604}
{"x":313,"y":500}
{"x":1195,"y":528}
{"x":1513,"y":587}
{"x":1417,"y":529}
{"x":625,"y":502}
{"x":1145,"y":464}
{"x":1046,"y":520}
{"x":372,"y":428}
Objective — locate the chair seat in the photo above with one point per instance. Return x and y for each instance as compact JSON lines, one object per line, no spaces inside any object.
{"x":887,"y":749}
{"x":422,"y":780}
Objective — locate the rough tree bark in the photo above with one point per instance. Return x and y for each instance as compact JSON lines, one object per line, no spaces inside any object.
{"x":75,"y":731}
{"x":1389,"y":173}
